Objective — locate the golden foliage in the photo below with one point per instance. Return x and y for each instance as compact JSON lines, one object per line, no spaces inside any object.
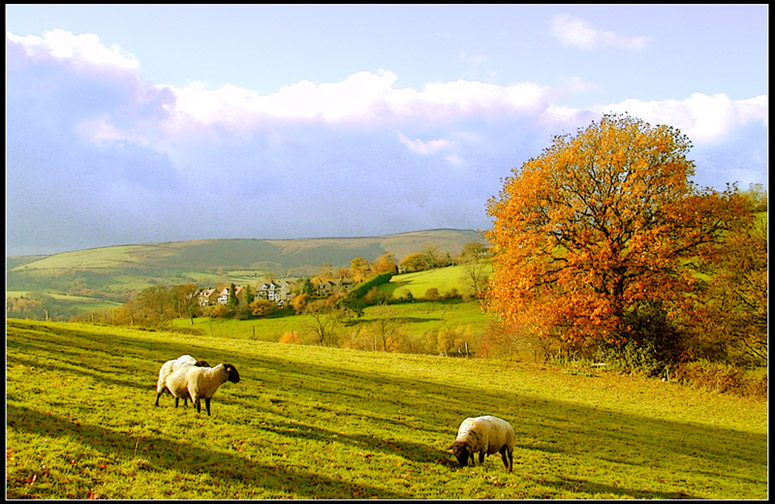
{"x":597,"y":223}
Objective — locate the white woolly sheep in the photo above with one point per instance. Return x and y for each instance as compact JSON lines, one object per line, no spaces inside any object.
{"x":200,"y":382}
{"x":170,"y":367}
{"x":486,"y":435}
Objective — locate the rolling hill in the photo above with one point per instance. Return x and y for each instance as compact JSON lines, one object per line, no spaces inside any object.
{"x":111,"y":274}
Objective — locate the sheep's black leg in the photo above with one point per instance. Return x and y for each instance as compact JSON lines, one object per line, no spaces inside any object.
{"x":507,"y":457}
{"x":481,"y":457}
{"x":157,"y":398}
{"x":176,"y":401}
{"x":207,"y":405}
{"x":198,"y":404}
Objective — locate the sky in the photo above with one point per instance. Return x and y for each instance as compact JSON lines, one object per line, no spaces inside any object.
{"x":149,"y":123}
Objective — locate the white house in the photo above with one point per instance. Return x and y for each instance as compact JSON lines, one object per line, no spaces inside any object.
{"x":277,"y":291}
{"x":223,"y":296}
{"x":208,"y":297}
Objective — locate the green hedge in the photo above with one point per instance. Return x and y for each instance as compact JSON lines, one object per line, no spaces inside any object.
{"x":362,"y":288}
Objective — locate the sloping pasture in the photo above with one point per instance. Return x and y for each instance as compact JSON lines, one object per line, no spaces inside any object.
{"x":417,"y":318}
{"x":326,"y":423}
{"x":443,"y":279}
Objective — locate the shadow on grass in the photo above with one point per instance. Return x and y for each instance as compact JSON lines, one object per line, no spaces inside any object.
{"x":416,"y":452}
{"x":597,"y":490}
{"x":184,"y":457}
{"x":98,"y":375}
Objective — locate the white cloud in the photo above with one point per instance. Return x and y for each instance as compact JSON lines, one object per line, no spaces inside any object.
{"x":702,"y":117}
{"x":448,"y":148}
{"x":468,"y":97}
{"x":363,"y":96}
{"x":87,"y":47}
{"x":358,"y":97}
{"x":425,"y":148}
{"x":576,"y":32}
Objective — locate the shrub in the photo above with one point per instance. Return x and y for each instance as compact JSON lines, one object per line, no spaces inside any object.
{"x":722,"y":377}
{"x":375,"y":296}
{"x":651,"y":346}
{"x":262,"y":308}
{"x":220,"y":311}
{"x":241,"y":312}
{"x":453,"y":293}
{"x":432,"y":294}
{"x":403,"y":295}
{"x":290,"y":337}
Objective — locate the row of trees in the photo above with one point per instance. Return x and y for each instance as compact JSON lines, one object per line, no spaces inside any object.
{"x":153,"y":306}
{"x":430,"y":257}
{"x":386,"y":331}
{"x":37,"y":306}
{"x":604,"y":247}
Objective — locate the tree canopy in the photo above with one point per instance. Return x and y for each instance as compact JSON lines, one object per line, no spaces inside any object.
{"x":601,"y":225}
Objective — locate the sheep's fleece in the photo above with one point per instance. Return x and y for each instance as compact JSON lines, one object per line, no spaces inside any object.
{"x":200,"y":382}
{"x":170,"y":367}
{"x":486,"y":435}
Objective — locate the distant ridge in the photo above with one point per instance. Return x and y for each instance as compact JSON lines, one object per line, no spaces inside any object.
{"x":113,"y":272}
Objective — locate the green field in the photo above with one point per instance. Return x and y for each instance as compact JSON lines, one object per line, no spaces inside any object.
{"x":309,"y":422}
{"x":442,"y":279}
{"x":418,"y":318}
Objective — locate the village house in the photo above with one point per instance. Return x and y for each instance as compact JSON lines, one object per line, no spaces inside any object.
{"x":339,"y":286}
{"x":277,"y":291}
{"x":208,"y":297}
{"x":223,"y":296}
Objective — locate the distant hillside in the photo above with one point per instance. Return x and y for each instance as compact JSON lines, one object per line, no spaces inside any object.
{"x":112,"y":273}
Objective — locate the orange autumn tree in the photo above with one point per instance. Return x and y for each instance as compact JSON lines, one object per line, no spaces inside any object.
{"x":735,"y":308}
{"x":593,"y":238}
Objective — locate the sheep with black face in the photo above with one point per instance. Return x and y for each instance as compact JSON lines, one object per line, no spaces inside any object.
{"x":484,"y":435}
{"x":170,"y":367}
{"x":200,"y":383}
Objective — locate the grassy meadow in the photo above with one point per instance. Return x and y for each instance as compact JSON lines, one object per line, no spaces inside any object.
{"x":417,"y":317}
{"x":444,"y":280}
{"x":309,"y":422}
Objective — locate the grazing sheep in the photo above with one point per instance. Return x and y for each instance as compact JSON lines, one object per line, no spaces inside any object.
{"x":200,"y":382}
{"x":170,"y":367}
{"x":486,"y":435}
